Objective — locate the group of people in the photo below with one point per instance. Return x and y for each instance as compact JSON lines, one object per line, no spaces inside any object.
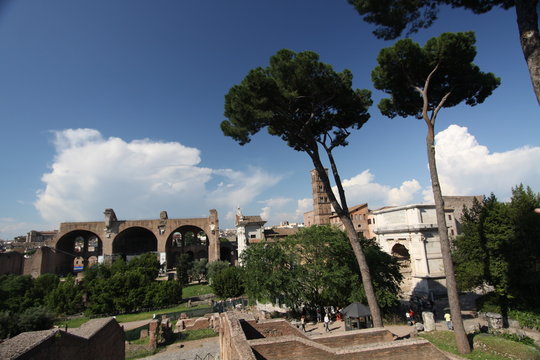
{"x":331,"y":314}
{"x":411,"y":320}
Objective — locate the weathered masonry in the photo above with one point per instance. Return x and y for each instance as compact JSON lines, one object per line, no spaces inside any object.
{"x":81,"y":244}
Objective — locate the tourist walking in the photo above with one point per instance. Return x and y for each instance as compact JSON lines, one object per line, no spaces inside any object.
{"x":319,"y":316}
{"x":303,"y":323}
{"x":326,"y":322}
{"x":448,"y":319}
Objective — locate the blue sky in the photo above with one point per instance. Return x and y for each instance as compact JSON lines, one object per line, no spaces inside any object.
{"x":118,"y":104}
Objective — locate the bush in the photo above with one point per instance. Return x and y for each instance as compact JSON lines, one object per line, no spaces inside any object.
{"x":36,"y":318}
{"x":31,"y":319}
{"x":215,"y":267}
{"x":526,"y":318}
{"x":228,"y":283}
{"x":488,"y":303}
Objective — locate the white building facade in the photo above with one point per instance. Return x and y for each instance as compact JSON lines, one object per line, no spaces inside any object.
{"x":410,"y":233}
{"x":249,"y":229}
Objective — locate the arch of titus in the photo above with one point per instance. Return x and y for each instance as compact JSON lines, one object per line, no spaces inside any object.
{"x":80,"y":244}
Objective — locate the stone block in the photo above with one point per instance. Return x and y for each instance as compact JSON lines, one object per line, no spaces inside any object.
{"x":428,"y":320}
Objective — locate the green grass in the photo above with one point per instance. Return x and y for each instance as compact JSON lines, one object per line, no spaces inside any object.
{"x":148,"y":314}
{"x":76,"y":322}
{"x":190,"y":335}
{"x":445,"y":341}
{"x":143,"y":341}
{"x":196,"y":290}
{"x":73,"y":323}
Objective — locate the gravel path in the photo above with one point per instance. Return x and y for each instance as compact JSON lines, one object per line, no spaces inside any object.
{"x":190,"y":350}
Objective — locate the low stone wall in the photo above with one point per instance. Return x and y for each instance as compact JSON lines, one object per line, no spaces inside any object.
{"x":209,"y":321}
{"x":513,"y":327}
{"x":352,"y":338}
{"x":232,"y":341}
{"x":242,"y":337}
{"x":269,"y":328}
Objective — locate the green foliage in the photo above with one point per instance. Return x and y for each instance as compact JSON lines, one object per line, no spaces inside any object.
{"x":528,"y":319}
{"x":126,"y":288}
{"x":13,"y":289}
{"x":316,"y":267}
{"x":489,"y":302}
{"x":299,"y":99}
{"x":215,"y":267}
{"x":199,"y":270}
{"x":66,"y":298}
{"x":228,"y":283}
{"x":36,"y":318}
{"x":31,"y":319}
{"x":8,"y":324}
{"x":183,"y":266}
{"x":403,"y":69}
{"x":163,"y":293}
{"x":43,"y":285}
{"x":393,"y":17}
{"x":147,"y":264}
{"x":505,"y":346}
{"x":522,"y":339}
{"x":500,"y":246}
{"x":486,"y":347}
{"x":385,"y":273}
{"x":269,"y":273}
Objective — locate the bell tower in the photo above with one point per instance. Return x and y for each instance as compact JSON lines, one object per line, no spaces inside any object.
{"x":322,"y":208}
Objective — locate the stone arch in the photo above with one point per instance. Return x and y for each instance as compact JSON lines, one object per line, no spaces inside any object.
{"x":92,"y":260}
{"x":401,"y":253}
{"x":227,"y":252}
{"x":186,"y":239}
{"x":76,"y":244}
{"x":134,"y":241}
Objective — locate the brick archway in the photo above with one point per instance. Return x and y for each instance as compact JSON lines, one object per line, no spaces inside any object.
{"x":77,"y":244}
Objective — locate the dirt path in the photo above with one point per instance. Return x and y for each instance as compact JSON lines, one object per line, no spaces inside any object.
{"x":134,"y":324}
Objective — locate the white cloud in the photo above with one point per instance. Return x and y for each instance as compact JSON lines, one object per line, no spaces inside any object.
{"x":467,"y":168}
{"x":9,"y":228}
{"x":138,"y":179}
{"x":361,"y":189}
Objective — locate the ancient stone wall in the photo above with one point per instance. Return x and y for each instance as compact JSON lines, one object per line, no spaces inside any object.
{"x":369,"y":336}
{"x":11,"y":263}
{"x":232,"y":341}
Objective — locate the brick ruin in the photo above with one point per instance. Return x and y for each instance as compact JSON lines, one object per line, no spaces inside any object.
{"x":243,"y":337}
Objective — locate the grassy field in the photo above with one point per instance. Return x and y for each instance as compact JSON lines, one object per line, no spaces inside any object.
{"x":188,"y":291}
{"x":190,"y":335}
{"x":486,"y":347}
{"x":196,"y":290}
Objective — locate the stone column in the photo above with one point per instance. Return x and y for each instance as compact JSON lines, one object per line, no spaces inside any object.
{"x":153,"y":329}
{"x":213,"y":236}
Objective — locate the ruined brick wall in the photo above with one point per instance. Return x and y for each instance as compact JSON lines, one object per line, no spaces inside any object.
{"x":267,"y":329}
{"x":61,"y":346}
{"x":44,"y":261}
{"x":107,"y":343}
{"x":348,"y":339}
{"x":232,"y":341}
{"x":11,"y":263}
{"x":289,"y":348}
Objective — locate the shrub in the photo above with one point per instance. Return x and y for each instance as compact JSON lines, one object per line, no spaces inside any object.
{"x":526,"y":318}
{"x":228,"y":283}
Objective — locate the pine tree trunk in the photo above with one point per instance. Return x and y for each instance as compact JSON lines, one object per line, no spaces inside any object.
{"x":527,"y":20}
{"x":351,"y":234}
{"x":364,"y":270}
{"x":451,"y":285}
